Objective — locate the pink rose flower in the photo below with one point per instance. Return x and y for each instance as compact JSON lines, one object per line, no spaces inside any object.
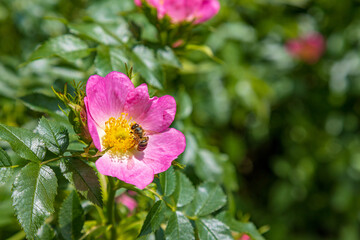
{"x":245,"y":237}
{"x":178,"y":43}
{"x":113,"y":106}
{"x":127,"y":201}
{"x":185,"y":10}
{"x":308,"y":49}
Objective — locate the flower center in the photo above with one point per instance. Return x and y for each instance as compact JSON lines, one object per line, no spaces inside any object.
{"x":119,"y":137}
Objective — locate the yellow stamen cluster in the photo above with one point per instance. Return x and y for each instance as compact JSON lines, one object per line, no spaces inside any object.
{"x":118,"y":135}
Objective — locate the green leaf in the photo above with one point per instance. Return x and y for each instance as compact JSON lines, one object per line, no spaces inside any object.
{"x":160,"y":234}
{"x":33,"y":196}
{"x":168,"y":181}
{"x":67,"y":47}
{"x":84,"y":178}
{"x":185,"y":106}
{"x":184,"y":192}
{"x":242,"y":227}
{"x":10,"y":82}
{"x":207,"y":166}
{"x":42,"y":103}
{"x":56,"y":137}
{"x":209,"y":197}
{"x":204,"y":49}
{"x":110,"y":59}
{"x":5,"y":166}
{"x":25,"y":143}
{"x":153,"y":219}
{"x":179,"y":227}
{"x":45,"y":232}
{"x":95,"y":32}
{"x":6,"y":209}
{"x":119,"y":29}
{"x":191,"y":149}
{"x":167,"y":57}
{"x":146,"y":64}
{"x":212,"y":229}
{"x":92,"y":229}
{"x":71,"y":217}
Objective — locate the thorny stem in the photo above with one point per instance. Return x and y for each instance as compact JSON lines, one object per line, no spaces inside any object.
{"x":110,"y":207}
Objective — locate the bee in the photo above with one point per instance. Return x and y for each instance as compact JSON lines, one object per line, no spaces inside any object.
{"x":139,"y":137}
{"x":137,"y":130}
{"x":143,"y":144}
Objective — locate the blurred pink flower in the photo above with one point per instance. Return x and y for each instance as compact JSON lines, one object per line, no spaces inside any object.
{"x":245,"y":237}
{"x":178,"y":43}
{"x":185,"y":10}
{"x":113,"y":106}
{"x":127,"y":201}
{"x":308,"y":48}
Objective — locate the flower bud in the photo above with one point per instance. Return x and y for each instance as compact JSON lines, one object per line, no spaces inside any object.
{"x":77,"y":114}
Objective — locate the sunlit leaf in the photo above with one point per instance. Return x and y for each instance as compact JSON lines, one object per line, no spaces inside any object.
{"x":67,"y":47}
{"x":184,"y":104}
{"x":25,"y":143}
{"x":33,"y":196}
{"x":56,"y":137}
{"x":119,"y":29}
{"x":110,"y":59}
{"x":147,"y":65}
{"x":191,"y":149}
{"x":168,"y":181}
{"x":207,"y":166}
{"x":212,"y":229}
{"x":209,"y":197}
{"x":184,"y":192}
{"x":179,"y":227}
{"x":241,"y":227}
{"x":93,"y":31}
{"x":167,"y":56}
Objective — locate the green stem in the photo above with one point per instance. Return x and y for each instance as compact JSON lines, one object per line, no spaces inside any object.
{"x":18,"y":236}
{"x":110,"y":207}
{"x":173,"y":208}
{"x":51,"y":160}
{"x":13,"y":166}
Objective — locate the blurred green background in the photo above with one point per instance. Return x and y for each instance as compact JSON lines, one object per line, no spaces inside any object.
{"x":289,"y":128}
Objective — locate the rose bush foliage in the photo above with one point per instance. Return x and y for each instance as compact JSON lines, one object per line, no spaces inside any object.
{"x":277,"y":133}
{"x":102,"y":137}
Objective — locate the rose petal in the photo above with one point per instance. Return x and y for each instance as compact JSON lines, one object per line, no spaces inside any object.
{"x":307,"y":48}
{"x":207,"y":10}
{"x":107,"y":96}
{"x":127,"y":201}
{"x":293,"y":47}
{"x":93,"y":129}
{"x":245,"y":237}
{"x":130,"y":170}
{"x":178,"y":10}
{"x":160,"y":114}
{"x":137,"y":102}
{"x":162,"y":149}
